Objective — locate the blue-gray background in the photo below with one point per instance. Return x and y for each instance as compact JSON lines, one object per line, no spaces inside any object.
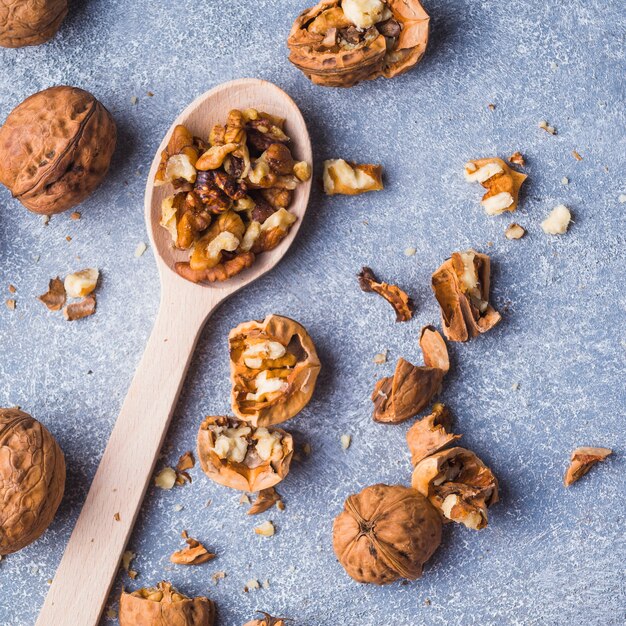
{"x":549,"y":555}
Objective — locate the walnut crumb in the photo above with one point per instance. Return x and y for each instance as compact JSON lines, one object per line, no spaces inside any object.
{"x":346,"y":440}
{"x":140,"y":249}
{"x":514,"y":231}
{"x":166,"y":478}
{"x":10,"y":305}
{"x":134,"y":99}
{"x":576,"y":155}
{"x":410,"y":251}
{"x":517,"y":159}
{"x":12,"y":289}
{"x":565,"y":180}
{"x":549,"y":129}
{"x":251,"y":585}
{"x":266,"y":529}
{"x":218,"y":576}
{"x":380,"y":357}
{"x":491,"y":106}
{"x":622,"y":198}
{"x":117,"y":517}
{"x":75,"y":215}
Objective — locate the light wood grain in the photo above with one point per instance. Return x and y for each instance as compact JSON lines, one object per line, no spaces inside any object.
{"x":82,"y":582}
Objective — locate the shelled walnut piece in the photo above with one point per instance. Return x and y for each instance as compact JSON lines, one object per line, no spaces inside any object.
{"x":458,"y":484}
{"x":164,"y":606}
{"x":399,"y":299}
{"x":461,"y":286}
{"x":237,"y":455}
{"x":232,"y":193}
{"x":27,"y":23}
{"x":56,"y":149}
{"x":267,"y":620}
{"x":501,"y":182}
{"x":273,"y":370}
{"x":32,"y":479}
{"x":338,"y":43}
{"x":583,"y":459}
{"x":385,"y":533}
{"x":430,"y":434}
{"x":348,"y":178}
{"x":411,"y":388}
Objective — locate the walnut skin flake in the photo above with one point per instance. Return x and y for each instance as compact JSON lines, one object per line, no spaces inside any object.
{"x":338,"y":43}
{"x":458,"y":484}
{"x":55,"y":297}
{"x":273,"y":368}
{"x":412,"y":387}
{"x":461,"y":286}
{"x":164,"y":606}
{"x":235,"y":454}
{"x":399,"y":300}
{"x":193,"y":554}
{"x":501,"y":182}
{"x":430,"y":434}
{"x":583,"y":459}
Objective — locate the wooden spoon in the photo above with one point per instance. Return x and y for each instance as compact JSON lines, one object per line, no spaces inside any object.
{"x":81,"y":585}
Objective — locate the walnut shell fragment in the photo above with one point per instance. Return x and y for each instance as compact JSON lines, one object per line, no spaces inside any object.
{"x":350,"y":179}
{"x":430,"y":434}
{"x":412,"y":387}
{"x":79,"y":310}
{"x":458,"y":484}
{"x":385,"y":533}
{"x":338,"y":43}
{"x":273,"y":370}
{"x":194,"y":553}
{"x":238,"y":455}
{"x":164,"y":606}
{"x":461,"y":286}
{"x":56,"y":149}
{"x":399,"y":299}
{"x":583,"y":459}
{"x":501,"y":182}
{"x":55,"y":297}
{"x":32,"y":479}
{"x":266,"y":499}
{"x":267,"y":620}
{"x":28,"y":23}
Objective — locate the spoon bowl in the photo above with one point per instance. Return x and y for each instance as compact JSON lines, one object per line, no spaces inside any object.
{"x":106,"y":520}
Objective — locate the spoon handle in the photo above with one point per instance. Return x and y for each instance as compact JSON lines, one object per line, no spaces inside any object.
{"x":82,"y":582}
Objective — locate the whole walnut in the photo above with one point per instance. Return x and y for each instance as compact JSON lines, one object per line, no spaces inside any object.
{"x":56,"y":149}
{"x":385,"y":533}
{"x":164,"y":606}
{"x":30,"y":22}
{"x":32,"y":479}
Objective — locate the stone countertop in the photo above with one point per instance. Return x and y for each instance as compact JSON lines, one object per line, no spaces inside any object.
{"x":549,"y":555}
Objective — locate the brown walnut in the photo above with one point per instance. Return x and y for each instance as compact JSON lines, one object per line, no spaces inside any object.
{"x":164,"y":606}
{"x":56,"y":149}
{"x":32,"y":479}
{"x":273,"y":370}
{"x":30,"y":22}
{"x":385,"y":533}
{"x":458,"y":484}
{"x":334,"y":51}
{"x":237,"y":455}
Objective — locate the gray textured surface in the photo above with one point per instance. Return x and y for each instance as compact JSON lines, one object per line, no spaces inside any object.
{"x":549,"y":556}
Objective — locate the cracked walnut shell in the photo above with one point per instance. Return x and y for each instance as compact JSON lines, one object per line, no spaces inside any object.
{"x":56,"y":149}
{"x":461,"y":286}
{"x":385,"y":533}
{"x":32,"y":479}
{"x":30,"y":22}
{"x":273,"y":370}
{"x":501,"y":182}
{"x":412,"y":387}
{"x":164,"y":606}
{"x":430,"y":434}
{"x":237,"y":455}
{"x":338,"y":43}
{"x":267,"y":620}
{"x":458,"y":484}
{"x":583,"y":459}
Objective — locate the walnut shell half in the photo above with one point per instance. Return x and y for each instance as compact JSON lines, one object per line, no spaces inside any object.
{"x":235,"y":454}
{"x":56,"y":149}
{"x":164,"y":606}
{"x":273,"y":370}
{"x":458,"y":484}
{"x":331,"y":49}
{"x":461,"y":286}
{"x":385,"y":533}
{"x":30,"y":22}
{"x":32,"y":479}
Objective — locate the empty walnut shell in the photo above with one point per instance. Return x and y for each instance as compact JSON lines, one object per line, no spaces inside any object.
{"x":56,"y":148}
{"x":273,"y":370}
{"x":385,"y":533}
{"x":458,"y":484}
{"x":164,"y":606}
{"x":237,"y":455}
{"x":32,"y":479}
{"x":411,"y":388}
{"x":430,"y":434}
{"x":461,"y":286}
{"x":30,"y":22}
{"x":330,"y":50}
